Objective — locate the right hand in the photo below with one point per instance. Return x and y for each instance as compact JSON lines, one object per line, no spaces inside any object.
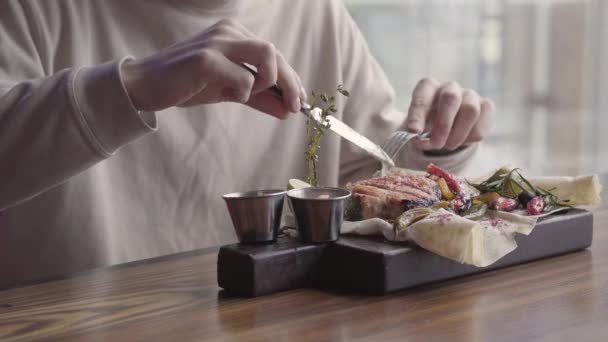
{"x":455,"y":116}
{"x":207,"y":69}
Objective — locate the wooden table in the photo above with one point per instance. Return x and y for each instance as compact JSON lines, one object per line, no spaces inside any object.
{"x":176,"y":298}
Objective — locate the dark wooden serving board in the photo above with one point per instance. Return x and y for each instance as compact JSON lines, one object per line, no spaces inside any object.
{"x":376,"y":266}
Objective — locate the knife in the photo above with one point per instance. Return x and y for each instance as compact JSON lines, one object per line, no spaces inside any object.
{"x":336,"y":126}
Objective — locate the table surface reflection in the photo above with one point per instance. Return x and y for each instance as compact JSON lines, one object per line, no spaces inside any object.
{"x":177,"y":298}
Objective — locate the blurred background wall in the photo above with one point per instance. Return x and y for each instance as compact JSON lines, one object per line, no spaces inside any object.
{"x":544,"y":62}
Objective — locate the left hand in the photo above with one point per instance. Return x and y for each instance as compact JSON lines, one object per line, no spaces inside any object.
{"x":454,"y":116}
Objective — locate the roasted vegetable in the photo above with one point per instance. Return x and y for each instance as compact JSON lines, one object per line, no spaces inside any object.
{"x":476,"y":211}
{"x":446,"y":193}
{"x":536,"y":205}
{"x":503,"y":204}
{"x":440,"y":204}
{"x":511,"y":184}
{"x":448,"y":177}
{"x":525,"y":196}
{"x":352,"y":212}
{"x":488,"y":197}
{"x":460,"y":204}
{"x":410,"y":217}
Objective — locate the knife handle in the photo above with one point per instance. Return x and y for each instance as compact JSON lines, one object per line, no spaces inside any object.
{"x":274,"y":89}
{"x":276,"y":92}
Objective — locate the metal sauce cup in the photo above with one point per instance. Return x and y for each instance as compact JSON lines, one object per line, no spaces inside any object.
{"x":256,"y":215}
{"x":319,"y":212}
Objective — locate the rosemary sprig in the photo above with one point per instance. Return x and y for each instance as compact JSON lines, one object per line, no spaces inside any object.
{"x":315,"y":130}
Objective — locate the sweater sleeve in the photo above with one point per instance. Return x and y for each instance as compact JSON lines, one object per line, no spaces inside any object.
{"x":371,"y":110}
{"x":53,"y":127}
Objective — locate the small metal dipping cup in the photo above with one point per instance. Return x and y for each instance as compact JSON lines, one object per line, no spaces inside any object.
{"x":319,"y":212}
{"x":256,"y":215}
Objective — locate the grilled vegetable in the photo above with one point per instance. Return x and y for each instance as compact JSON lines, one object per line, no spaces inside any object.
{"x":352,"y":212}
{"x":504,"y":204}
{"x":511,"y":184}
{"x":441,"y":204}
{"x":525,"y":196}
{"x":445,"y":190}
{"x":460,"y":205}
{"x":488,"y":197}
{"x":448,"y":177}
{"x":476,"y":211}
{"x":410,"y":217}
{"x":536,"y":205}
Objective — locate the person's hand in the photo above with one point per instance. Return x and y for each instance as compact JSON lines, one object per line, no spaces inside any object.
{"x":454,"y":116}
{"x":208,"y":69}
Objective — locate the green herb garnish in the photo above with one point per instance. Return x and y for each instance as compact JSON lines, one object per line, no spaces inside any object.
{"x":315,"y":130}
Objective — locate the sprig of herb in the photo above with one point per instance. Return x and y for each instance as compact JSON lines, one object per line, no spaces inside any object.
{"x":503,"y":182}
{"x":315,"y":129}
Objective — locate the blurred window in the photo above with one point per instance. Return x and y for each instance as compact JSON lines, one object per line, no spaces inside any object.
{"x":542,"y":61}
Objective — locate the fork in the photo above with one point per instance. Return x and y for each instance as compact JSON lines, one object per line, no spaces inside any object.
{"x":398,"y":139}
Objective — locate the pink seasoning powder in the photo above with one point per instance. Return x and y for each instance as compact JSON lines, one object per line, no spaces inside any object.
{"x":496,"y":223}
{"x":491,"y":223}
{"x":443,"y":219}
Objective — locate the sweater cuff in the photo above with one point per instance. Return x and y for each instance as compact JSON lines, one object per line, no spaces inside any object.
{"x":108,"y":117}
{"x":456,"y":162}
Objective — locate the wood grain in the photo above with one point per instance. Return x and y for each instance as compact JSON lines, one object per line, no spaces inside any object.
{"x":177,"y":299}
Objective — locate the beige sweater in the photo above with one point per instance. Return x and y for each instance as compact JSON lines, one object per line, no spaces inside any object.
{"x":86,"y":181}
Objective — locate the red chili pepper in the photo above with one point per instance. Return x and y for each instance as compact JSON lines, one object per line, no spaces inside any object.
{"x":449,"y":178}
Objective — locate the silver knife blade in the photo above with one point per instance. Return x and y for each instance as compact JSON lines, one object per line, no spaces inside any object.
{"x":335,"y":125}
{"x":346,"y":132}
